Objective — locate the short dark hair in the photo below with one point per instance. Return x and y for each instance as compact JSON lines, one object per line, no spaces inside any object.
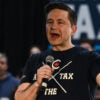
{"x":62,"y":6}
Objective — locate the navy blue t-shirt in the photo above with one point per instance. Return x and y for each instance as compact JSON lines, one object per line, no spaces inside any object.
{"x":8,"y":86}
{"x":75,"y":78}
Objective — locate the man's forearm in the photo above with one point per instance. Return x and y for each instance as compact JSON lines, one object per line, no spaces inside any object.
{"x":30,"y":93}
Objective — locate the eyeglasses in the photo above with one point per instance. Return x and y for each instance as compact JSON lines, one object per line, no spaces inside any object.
{"x":2,"y":62}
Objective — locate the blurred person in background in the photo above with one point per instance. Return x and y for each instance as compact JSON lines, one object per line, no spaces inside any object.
{"x":35,"y":49}
{"x":8,"y":83}
{"x":87,"y":44}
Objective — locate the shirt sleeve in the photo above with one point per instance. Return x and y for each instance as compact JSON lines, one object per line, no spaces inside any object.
{"x":95,"y":64}
{"x":30,"y":70}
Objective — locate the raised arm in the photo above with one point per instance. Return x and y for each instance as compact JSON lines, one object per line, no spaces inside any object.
{"x":27,"y":91}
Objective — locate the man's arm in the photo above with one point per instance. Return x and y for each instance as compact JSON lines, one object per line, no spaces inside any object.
{"x":27,"y":91}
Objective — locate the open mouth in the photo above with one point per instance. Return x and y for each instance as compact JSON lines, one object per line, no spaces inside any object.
{"x":55,"y":35}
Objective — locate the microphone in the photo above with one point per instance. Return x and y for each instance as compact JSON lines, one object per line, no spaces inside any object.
{"x":49,"y":59}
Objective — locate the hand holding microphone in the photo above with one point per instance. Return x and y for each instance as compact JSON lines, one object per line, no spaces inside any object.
{"x":45,"y":72}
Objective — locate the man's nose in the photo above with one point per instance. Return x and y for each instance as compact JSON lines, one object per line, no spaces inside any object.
{"x":54,"y":26}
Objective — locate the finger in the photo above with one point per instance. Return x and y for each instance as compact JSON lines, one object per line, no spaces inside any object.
{"x":48,"y":73}
{"x":44,"y":76}
{"x":45,"y":67}
{"x":44,"y":70}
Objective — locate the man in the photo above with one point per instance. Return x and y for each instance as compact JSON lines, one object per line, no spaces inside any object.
{"x":88,"y":44}
{"x":8,"y":83}
{"x":74,"y":71}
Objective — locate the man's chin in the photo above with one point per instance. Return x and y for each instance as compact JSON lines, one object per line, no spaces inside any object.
{"x":2,"y":74}
{"x":55,"y":45}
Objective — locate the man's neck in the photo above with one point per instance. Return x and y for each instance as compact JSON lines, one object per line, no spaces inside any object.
{"x":3,"y":76}
{"x":63,"y":47}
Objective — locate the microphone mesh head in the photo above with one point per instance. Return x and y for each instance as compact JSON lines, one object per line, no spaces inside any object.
{"x":49,"y":59}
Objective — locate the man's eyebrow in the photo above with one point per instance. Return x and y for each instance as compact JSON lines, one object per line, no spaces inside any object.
{"x":49,"y":19}
{"x":57,"y":19}
{"x":60,"y":19}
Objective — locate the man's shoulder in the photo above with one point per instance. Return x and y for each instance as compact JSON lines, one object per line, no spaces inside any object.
{"x":77,"y":50}
{"x":12,"y":79}
{"x":85,"y":52}
{"x":38,"y":58}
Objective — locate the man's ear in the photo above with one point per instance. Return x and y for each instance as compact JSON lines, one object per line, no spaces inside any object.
{"x":74,"y":29}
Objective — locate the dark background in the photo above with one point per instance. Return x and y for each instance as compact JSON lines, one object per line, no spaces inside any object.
{"x":21,"y":25}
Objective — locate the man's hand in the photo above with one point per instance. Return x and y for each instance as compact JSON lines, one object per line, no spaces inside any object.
{"x":44,"y":72}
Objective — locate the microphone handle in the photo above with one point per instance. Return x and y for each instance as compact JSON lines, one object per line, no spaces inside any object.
{"x":45,"y":81}
{"x":44,"y":84}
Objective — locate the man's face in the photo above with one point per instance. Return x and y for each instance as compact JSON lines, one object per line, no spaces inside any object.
{"x":58,"y":27}
{"x":3,"y":65}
